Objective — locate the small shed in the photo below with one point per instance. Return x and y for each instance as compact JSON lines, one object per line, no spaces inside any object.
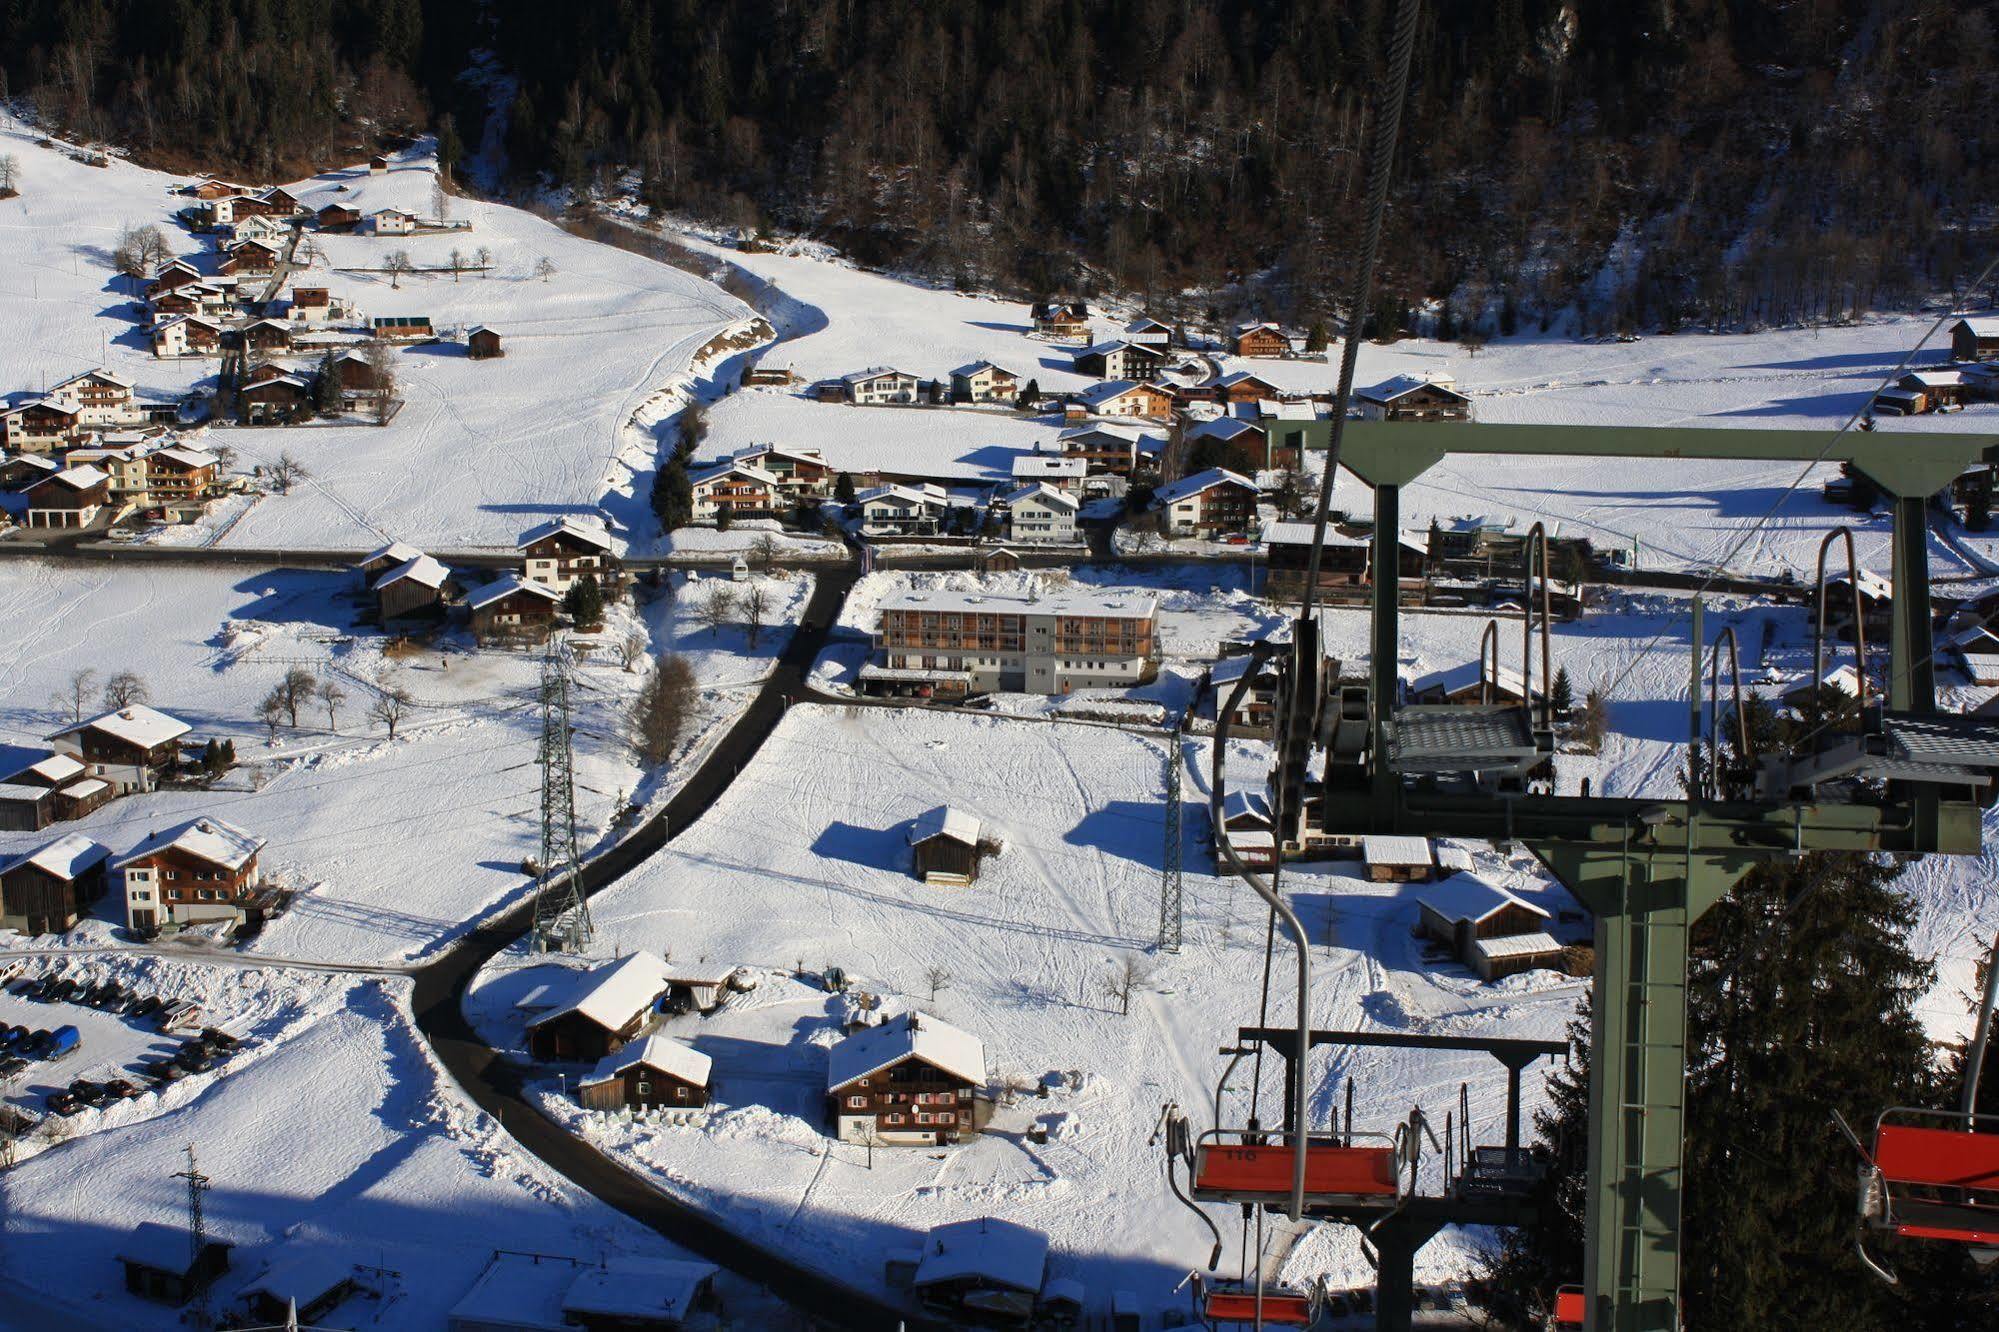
{"x":945,"y":846}
{"x":1464,"y":907}
{"x":700,"y":986}
{"x":160,"y":1263}
{"x":606,"y":1007}
{"x":1978,"y":651}
{"x":984,"y":1269}
{"x":998,"y":559}
{"x":1392,"y":859}
{"x":1250,"y":829}
{"x":311,"y":1279}
{"x":416,"y":588}
{"x":483,"y":344}
{"x":647,"y":1074}
{"x":26,"y":808}
{"x":641,"y":1295}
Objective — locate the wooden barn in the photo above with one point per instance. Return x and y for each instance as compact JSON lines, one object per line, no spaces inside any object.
{"x":513,"y":607}
{"x":483,"y":344}
{"x":1265,"y":340}
{"x":1489,"y":929}
{"x":944,"y":846}
{"x":647,"y":1074}
{"x":1393,"y":859}
{"x":45,"y":891}
{"x":415,"y":589}
{"x":1975,"y":339}
{"x":984,"y":1272}
{"x":606,"y":1007}
{"x":912,"y":1079}
{"x":160,"y":1263}
{"x":130,"y":748}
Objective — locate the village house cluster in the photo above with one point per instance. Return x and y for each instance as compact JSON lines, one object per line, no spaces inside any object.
{"x":91,"y":447}
{"x":196,"y":872}
{"x":523,"y":605}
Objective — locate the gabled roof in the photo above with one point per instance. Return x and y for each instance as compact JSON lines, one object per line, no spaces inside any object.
{"x":722,"y":469}
{"x":908,"y":1035}
{"x":247,"y":242}
{"x":611,"y":994}
{"x":638,"y":1292}
{"x":1235,"y":377}
{"x":1110,"y":345}
{"x":1241,"y":329}
{"x":36,"y":460}
{"x":1388,"y":390}
{"x":1124,"y":433}
{"x":482,"y":328}
{"x":1200,"y":483}
{"x":676,"y":1058}
{"x":1871,"y":585}
{"x":55,"y":769}
{"x":201,"y":319}
{"x":1224,"y":428}
{"x":292,"y":381}
{"x":918,"y":495}
{"x":209,"y":839}
{"x":49,"y":404}
{"x":1048,"y":464}
{"x":1112,"y":389}
{"x":1465,"y":676}
{"x":778,"y":451}
{"x":1985,"y":327}
{"x":506,"y":585}
{"x":1044,"y":492}
{"x":975,"y":367}
{"x":1385,"y":849}
{"x":108,"y":376}
{"x":76,"y":478}
{"x":423,"y":570}
{"x":1517,"y":945}
{"x":165,"y":1248}
{"x":185,"y":456}
{"x":873,"y":372}
{"x":1238,"y":804}
{"x":395,"y":552}
{"x":1147,"y":324}
{"x":944,"y":821}
{"x":67,"y":857}
{"x":1468,"y":897}
{"x":987,"y":1249}
{"x":588,"y":533}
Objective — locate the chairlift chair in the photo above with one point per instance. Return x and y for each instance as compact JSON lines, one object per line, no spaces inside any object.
{"x":1353,"y":1170}
{"x":1934,"y":1174}
{"x":1570,"y":1310}
{"x":1224,"y":1305}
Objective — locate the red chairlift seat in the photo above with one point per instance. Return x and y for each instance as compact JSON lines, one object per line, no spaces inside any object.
{"x":1232,"y":1303}
{"x":1571,"y":1308}
{"x":1335,"y":1175}
{"x":1938,"y":1182}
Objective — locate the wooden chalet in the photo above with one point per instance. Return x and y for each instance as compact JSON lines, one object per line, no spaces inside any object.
{"x":26,"y":808}
{"x":178,"y":475}
{"x":1119,"y":359}
{"x":415,"y":589}
{"x":734,"y":489}
{"x":1105,"y":447}
{"x":799,"y":472}
{"x":483,"y":344}
{"x":282,"y":397}
{"x":1262,"y":339}
{"x":47,"y":890}
{"x":1346,"y":564}
{"x":1213,"y":503}
{"x":378,"y":562}
{"x":377,"y":165}
{"x":160,"y":1262}
{"x":22,"y":470}
{"x":987,"y":1272}
{"x":604,"y":1009}
{"x":70,"y":498}
{"x":1250,"y":829}
{"x":944,"y":846}
{"x":1121,"y":397}
{"x":130,"y":748}
{"x":1396,"y":859}
{"x":562,"y":551}
{"x":198,"y":872}
{"x":338,"y":217}
{"x":359,"y":380}
{"x":1061,"y":319}
{"x":1462,"y":685}
{"x":912,"y":1079}
{"x":211,"y":187}
{"x":512,"y":607}
{"x":1410,"y":398}
{"x":266,"y":336}
{"x":982,"y":381}
{"x":1975,"y":339}
{"x":1489,"y":929}
{"x":170,"y":275}
{"x":188,"y":334}
{"x":42,"y":426}
{"x":1246,"y":446}
{"x":1243,"y":387}
{"x":648,"y":1074}
{"x":250,"y":256}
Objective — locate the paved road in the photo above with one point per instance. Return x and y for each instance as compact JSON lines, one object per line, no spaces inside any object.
{"x":497,"y":1085}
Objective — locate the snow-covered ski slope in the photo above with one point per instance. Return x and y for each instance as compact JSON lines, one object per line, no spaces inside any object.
{"x":482,"y":450}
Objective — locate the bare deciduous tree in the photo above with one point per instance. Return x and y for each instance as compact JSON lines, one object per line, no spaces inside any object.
{"x":287,"y":472}
{"x":631,"y":649}
{"x":123,"y":690}
{"x":10,"y":175}
{"x":544,"y":268}
{"x":664,"y":709}
{"x":331,"y":696}
{"x":381,"y":359}
{"x":440,"y":200}
{"x":763,"y":551}
{"x":139,"y":251}
{"x":456,"y":262}
{"x":482,"y":259}
{"x":1131,"y":977}
{"x":272,"y":713}
{"x":297,"y":689}
{"x":937,"y":977}
{"x":70,"y":698}
{"x":756,"y":608}
{"x":717,"y":608}
{"x":390,"y":704}
{"x":396,"y":265}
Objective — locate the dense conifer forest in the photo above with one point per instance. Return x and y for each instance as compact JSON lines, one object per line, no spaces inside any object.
{"x":1651,"y":164}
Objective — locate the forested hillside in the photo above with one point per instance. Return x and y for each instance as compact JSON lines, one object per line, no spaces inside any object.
{"x":1649,"y":162}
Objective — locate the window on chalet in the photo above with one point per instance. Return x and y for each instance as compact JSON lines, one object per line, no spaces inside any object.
{"x":857,"y":1102}
{"x":645,"y":1089}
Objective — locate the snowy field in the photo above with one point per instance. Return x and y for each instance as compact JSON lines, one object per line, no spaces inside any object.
{"x":804,"y":861}
{"x":951,"y":444}
{"x":330,"y":1133}
{"x":482,"y":450}
{"x":395,"y":845}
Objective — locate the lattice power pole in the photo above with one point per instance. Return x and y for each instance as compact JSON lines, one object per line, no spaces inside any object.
{"x":1169,"y":863}
{"x":197,"y":1233}
{"x":561,"y":912}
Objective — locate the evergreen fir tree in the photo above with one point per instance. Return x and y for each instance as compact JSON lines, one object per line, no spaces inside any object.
{"x":584,"y":602}
{"x":1029,"y":395}
{"x":326,"y":387}
{"x":1561,"y":693}
{"x":672,"y":496}
{"x":843,"y":488}
{"x":1316,"y":337}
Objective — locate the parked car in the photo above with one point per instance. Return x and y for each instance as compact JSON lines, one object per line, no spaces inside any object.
{"x":120,"y":1089}
{"x":64,"y":990}
{"x":38,"y":1043}
{"x":194,"y":1057}
{"x":162,"y":1069}
{"x":90,"y":1093}
{"x":144,"y":1006}
{"x":219,"y":1039}
{"x":28,"y":986}
{"x":12,"y":1036}
{"x":64,"y":1041}
{"x":62,"y":1103}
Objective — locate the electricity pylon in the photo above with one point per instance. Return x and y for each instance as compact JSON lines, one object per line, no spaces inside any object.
{"x":561,"y":912}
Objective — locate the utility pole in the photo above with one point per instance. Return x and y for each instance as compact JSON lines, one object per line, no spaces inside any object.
{"x":561,"y":912}
{"x":1169,"y":861}
{"x":197,"y":1234}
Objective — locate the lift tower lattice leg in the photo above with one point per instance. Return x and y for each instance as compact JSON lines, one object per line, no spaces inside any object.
{"x":1170,"y":887}
{"x":561,"y":910}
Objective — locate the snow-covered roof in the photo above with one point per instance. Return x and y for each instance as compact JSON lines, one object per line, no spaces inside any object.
{"x":1245,"y":804}
{"x":972,"y":368}
{"x":1120,"y":606}
{"x":1300,"y":534}
{"x":1977,"y":642}
{"x":611,"y":994}
{"x":1517,"y":945}
{"x":188,"y":457}
{"x":1199,"y":483}
{"x":1386,"y":849}
{"x":921,"y":496}
{"x":720,"y":470}
{"x":1985,"y":327}
{"x":1003,"y":1253}
{"x":1251,"y":328}
{"x":1871,"y":584}
{"x":518,"y":1290}
{"x":293,"y":380}
{"x":86,"y":788}
{"x":669,"y":1056}
{"x":1465,"y":675}
{"x":588,"y":533}
{"x":1468,"y":897}
{"x":304,"y":1274}
{"x":1388,"y":390}
{"x":507,"y":584}
{"x":1229,"y":669}
{"x":15,"y":791}
{"x":77,"y":478}
{"x":778,"y":451}
{"x":1110,"y":345}
{"x":660,"y":1289}
{"x":136,"y":725}
{"x":208,"y":839}
{"x":34,"y":460}
{"x":944,"y":821}
{"x":1147,"y":324}
{"x":1235,"y":377}
{"x":1123,"y":433}
{"x":873,"y":372}
{"x":1046,"y":493}
{"x":1221,"y":427}
{"x":67,"y":856}
{"x":395,"y":552}
{"x":908,"y":1035}
{"x":423,"y":570}
{"x":1110,"y":390}
{"x":1943,"y":377}
{"x":56,"y":769}
{"x":100,"y":373}
{"x":165,"y":1248}
{"x":1031,"y":465}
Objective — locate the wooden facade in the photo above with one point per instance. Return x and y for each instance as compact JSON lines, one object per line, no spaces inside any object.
{"x":909,"y":1099}
{"x":943,"y":858}
{"x":641,"y":1087}
{"x":35,"y":901}
{"x":1264,"y":340}
{"x":483,"y":344}
{"x":572,"y":1036}
{"x":519,"y":614}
